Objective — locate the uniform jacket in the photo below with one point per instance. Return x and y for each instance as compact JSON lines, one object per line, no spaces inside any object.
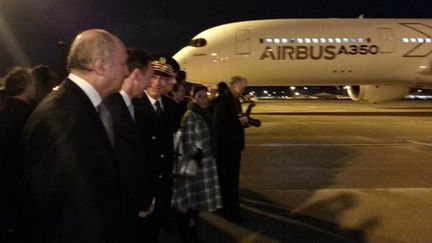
{"x":157,"y":133}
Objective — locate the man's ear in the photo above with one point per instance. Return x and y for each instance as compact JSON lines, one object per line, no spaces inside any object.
{"x":99,"y":66}
{"x":137,"y":74}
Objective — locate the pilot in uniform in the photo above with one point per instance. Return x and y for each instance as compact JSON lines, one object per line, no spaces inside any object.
{"x":154,"y":116}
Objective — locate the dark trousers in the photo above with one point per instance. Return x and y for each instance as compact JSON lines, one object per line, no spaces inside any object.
{"x":150,"y":227}
{"x":228,"y":163}
{"x":14,"y":225}
{"x":131,"y":230}
{"x":188,"y":225}
{"x":162,"y":216}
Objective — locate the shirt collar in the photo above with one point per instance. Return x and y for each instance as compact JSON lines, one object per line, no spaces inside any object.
{"x":126,"y":97}
{"x":88,"y":89}
{"x":153,"y":101}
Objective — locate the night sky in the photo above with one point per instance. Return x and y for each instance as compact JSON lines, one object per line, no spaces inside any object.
{"x":31,"y":29}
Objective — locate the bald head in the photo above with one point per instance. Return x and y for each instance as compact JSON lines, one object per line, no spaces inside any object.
{"x":99,"y":58}
{"x":89,"y":46}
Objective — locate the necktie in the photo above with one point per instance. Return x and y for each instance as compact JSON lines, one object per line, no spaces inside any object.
{"x":107,"y":122}
{"x":158,"y":107}
{"x":131,"y":110}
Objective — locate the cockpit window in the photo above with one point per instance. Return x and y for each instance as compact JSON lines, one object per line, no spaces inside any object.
{"x":200,"y":42}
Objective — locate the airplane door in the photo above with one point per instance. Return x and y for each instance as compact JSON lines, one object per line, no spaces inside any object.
{"x":386,"y":40}
{"x":243,"y":42}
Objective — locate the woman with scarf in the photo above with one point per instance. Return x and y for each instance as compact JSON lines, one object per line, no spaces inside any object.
{"x":196,"y":189}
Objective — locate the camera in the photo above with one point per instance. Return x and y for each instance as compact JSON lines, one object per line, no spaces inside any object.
{"x":252,"y":121}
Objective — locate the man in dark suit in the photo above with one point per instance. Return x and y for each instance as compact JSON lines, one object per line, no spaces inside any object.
{"x":20,"y":88}
{"x":72,"y":176}
{"x":230,"y":139}
{"x":3,"y":97}
{"x":137,"y":195}
{"x":154,"y":115}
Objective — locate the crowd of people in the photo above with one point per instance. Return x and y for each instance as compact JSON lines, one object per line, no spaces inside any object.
{"x":117,"y":151}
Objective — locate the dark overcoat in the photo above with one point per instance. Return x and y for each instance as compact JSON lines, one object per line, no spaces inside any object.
{"x":71,"y":173}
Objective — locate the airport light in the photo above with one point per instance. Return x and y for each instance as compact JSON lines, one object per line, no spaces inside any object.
{"x":297,"y":93}
{"x":292,"y":88}
{"x":265,"y":92}
{"x":305,"y":88}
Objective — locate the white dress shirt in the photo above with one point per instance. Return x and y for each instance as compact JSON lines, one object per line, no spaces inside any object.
{"x":88,"y":89}
{"x":128,"y":103}
{"x":153,"y":102}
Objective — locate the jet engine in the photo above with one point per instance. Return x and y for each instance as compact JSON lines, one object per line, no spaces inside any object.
{"x":377,"y":93}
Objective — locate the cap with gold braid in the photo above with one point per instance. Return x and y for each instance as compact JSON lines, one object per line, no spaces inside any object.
{"x":161,"y":66}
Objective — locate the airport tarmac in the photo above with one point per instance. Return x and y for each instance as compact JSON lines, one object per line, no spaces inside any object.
{"x":334,"y":171}
{"x":342,"y":107}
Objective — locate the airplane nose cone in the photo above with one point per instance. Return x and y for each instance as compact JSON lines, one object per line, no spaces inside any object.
{"x":181,"y":57}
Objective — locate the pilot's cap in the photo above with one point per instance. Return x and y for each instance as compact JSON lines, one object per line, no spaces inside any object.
{"x":164,"y":66}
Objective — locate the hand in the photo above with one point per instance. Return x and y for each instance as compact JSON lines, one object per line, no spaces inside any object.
{"x":244,"y":120}
{"x":143,"y":214}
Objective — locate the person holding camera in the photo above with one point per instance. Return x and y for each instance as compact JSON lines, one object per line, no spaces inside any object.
{"x":229,"y":124}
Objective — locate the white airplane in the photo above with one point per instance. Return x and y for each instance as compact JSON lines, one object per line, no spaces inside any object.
{"x":378,"y":59}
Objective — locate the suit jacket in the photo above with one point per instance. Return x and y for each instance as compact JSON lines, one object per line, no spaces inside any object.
{"x":12,"y":120}
{"x":129,"y":149}
{"x":72,"y":176}
{"x":3,"y":98}
{"x":229,"y":132}
{"x":157,"y":133}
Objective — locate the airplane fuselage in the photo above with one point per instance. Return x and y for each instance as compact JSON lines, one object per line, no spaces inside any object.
{"x":283,"y":52}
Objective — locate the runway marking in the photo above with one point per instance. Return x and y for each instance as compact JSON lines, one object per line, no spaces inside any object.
{"x":410,"y":144}
{"x":296,"y":222}
{"x":239,"y":233}
{"x":262,"y":203}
